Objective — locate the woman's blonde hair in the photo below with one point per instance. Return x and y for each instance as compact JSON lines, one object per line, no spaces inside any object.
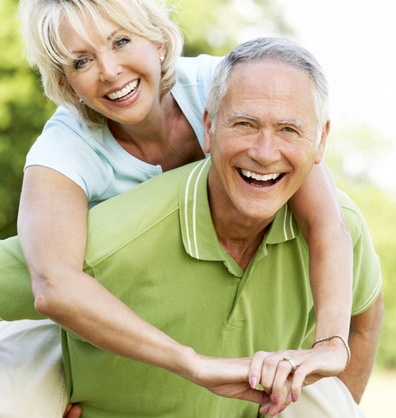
{"x":41,"y":22}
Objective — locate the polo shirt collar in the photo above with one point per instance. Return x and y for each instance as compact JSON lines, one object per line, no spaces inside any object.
{"x":198,"y":233}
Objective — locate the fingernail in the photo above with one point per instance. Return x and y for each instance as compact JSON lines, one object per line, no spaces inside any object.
{"x":264,"y":411}
{"x":253,"y":382}
{"x":275,"y":400}
{"x":281,"y":410}
{"x":268,"y":392}
{"x":273,"y":414}
{"x":294,"y":398}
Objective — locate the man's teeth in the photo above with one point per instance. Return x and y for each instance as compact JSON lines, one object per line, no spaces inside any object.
{"x":126,"y":91}
{"x":260,"y":177}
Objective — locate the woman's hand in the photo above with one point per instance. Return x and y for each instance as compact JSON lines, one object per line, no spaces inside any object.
{"x":284,"y":386}
{"x":228,"y":377}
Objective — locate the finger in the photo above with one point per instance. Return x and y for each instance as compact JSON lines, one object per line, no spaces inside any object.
{"x":302,"y":377}
{"x":282,"y":384}
{"x":73,"y":411}
{"x":268,"y":372}
{"x":68,"y":408}
{"x":256,"y":396}
{"x":256,"y":368}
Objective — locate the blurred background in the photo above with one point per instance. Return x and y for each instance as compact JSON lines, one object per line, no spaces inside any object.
{"x":354,"y":42}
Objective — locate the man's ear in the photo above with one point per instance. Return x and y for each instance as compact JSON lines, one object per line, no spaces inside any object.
{"x":322,"y":144}
{"x":207,"y":124}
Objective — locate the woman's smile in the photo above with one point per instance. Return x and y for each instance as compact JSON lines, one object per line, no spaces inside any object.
{"x":124,"y":93}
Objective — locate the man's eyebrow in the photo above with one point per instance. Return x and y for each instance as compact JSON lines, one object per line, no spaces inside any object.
{"x":295,"y":123}
{"x":236,"y":115}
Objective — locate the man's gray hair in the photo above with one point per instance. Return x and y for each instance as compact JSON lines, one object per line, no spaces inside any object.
{"x":276,"y":50}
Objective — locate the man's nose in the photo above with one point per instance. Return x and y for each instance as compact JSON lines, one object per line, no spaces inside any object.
{"x":109,"y":69}
{"x":265,"y":149}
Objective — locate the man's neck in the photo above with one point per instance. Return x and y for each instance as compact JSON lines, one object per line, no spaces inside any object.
{"x":239,"y":236}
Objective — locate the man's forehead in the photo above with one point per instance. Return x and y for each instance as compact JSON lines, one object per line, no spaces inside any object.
{"x":271,"y":87}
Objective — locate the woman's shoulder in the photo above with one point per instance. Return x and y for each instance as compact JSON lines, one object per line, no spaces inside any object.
{"x":70,"y":147}
{"x":65,"y":121}
{"x":66,"y":134}
{"x":198,"y":69}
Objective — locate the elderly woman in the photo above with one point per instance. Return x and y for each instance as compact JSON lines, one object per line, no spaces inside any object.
{"x":130,"y":109}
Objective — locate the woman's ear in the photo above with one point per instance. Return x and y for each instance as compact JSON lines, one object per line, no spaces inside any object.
{"x":161,"y":48}
{"x":64,"y":84}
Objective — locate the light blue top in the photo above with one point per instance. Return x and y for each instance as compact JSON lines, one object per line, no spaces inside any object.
{"x":94,"y":160}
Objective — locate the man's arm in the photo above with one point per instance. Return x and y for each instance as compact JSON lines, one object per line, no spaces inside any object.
{"x":363,"y":340}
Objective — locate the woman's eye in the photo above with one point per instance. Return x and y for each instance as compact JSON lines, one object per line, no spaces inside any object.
{"x":80,"y":63}
{"x":121,"y":42}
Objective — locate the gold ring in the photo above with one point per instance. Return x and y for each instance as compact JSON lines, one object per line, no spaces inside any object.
{"x":292,"y":364}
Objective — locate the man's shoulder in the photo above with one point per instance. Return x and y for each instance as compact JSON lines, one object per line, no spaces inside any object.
{"x":121,"y":219}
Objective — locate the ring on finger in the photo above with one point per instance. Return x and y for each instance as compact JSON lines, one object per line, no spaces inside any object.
{"x":292,"y":364}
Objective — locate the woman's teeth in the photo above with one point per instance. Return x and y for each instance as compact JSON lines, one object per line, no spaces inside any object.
{"x":124,"y":93}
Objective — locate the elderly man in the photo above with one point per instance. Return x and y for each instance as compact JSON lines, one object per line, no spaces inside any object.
{"x":210,"y":255}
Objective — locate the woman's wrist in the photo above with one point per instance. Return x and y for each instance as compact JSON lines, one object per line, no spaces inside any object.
{"x":336,"y":340}
{"x":185,"y":363}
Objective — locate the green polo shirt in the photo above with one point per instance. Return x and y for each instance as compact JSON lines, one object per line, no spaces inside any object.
{"x":156,"y":249}
{"x":163,"y":259}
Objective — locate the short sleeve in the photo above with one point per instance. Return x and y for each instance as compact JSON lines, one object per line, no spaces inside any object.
{"x":367,"y":279}
{"x":65,"y":146}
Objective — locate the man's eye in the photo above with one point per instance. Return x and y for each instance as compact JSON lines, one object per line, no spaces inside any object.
{"x":244,"y":124}
{"x":288,"y":129}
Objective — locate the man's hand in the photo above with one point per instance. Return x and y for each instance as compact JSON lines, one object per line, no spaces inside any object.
{"x":72,"y":411}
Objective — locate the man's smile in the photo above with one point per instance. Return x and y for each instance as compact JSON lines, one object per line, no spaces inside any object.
{"x":260,"y":180}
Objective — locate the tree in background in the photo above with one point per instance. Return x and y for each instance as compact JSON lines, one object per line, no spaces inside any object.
{"x":23,"y":113}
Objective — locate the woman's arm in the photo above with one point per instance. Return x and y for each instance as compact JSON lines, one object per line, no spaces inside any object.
{"x":319,"y":216}
{"x":52,"y":226}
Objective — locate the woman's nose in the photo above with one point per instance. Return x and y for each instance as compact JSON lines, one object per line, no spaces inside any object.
{"x":109,"y":69}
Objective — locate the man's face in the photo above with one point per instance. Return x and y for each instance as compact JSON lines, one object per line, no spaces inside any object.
{"x":265,"y":142}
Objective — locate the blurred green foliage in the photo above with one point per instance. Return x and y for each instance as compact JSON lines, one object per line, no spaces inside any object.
{"x":23,"y":113}
{"x":379,"y":209}
{"x":212,"y":27}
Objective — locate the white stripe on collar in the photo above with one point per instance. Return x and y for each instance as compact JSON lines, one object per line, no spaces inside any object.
{"x":287,"y":215}
{"x":194,"y":232}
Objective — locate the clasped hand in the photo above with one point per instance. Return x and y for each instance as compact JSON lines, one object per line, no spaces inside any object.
{"x":240,"y":378}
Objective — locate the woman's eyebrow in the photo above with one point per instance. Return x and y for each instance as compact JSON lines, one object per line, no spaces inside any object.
{"x":109,"y":38}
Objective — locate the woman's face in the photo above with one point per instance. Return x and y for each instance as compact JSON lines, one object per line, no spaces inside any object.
{"x":119,"y":77}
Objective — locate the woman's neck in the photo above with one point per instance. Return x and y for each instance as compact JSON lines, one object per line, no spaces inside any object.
{"x":167,"y":139}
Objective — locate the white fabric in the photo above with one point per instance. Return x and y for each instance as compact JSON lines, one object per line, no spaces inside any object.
{"x":32,"y":383}
{"x":327,"y":398}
